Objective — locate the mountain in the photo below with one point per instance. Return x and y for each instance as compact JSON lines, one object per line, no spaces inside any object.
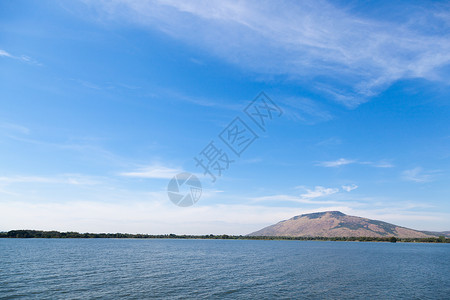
{"x":337,"y":224}
{"x":438,"y":233}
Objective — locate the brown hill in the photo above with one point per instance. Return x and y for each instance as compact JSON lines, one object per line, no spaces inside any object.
{"x":337,"y":224}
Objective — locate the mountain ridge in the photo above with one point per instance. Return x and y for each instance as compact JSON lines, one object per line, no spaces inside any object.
{"x":338,"y":224}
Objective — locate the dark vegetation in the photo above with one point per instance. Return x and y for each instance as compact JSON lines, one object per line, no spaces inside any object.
{"x":57,"y":234}
{"x":388,"y":228}
{"x":335,"y":214}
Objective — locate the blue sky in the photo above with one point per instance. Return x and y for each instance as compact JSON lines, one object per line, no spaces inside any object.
{"x":101,"y":103}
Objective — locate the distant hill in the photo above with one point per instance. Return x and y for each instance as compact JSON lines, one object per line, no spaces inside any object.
{"x":337,"y":224}
{"x":438,"y":233}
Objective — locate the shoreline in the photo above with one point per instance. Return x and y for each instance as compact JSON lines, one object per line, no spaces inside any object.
{"x":26,"y":234}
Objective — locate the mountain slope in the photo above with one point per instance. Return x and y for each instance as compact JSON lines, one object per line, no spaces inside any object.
{"x":337,"y":224}
{"x":438,"y":233}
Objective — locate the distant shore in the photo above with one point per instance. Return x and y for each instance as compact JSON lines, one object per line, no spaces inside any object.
{"x":77,"y":235}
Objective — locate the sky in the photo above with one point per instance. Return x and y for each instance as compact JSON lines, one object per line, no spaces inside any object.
{"x":102,"y":103}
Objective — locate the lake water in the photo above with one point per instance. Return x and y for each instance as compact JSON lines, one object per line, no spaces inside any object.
{"x":230,"y":269}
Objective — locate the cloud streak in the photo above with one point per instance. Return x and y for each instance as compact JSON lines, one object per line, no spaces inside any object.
{"x":22,"y":58}
{"x":344,"y":161}
{"x":153,"y":171}
{"x":319,"y":191}
{"x":71,"y":179}
{"x":162,"y":217}
{"x":310,"y":196}
{"x":336,"y":163}
{"x":361,"y":55}
{"x":418,"y":175}
{"x":5,"y":54}
{"x":14,"y":128}
{"x":349,"y":188}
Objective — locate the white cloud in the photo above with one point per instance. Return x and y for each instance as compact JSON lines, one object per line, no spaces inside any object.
{"x":382,"y":164}
{"x":333,"y":141}
{"x":159,"y":216}
{"x":336,"y":163}
{"x":319,"y":191}
{"x":290,"y":198}
{"x":14,"y":127}
{"x":4,"y":53}
{"x":344,"y":161}
{"x":304,"y":109}
{"x":25,"y":179}
{"x":308,"y":197}
{"x":23,"y":58}
{"x":154,"y":217}
{"x":153,"y":171}
{"x":418,"y":175}
{"x":108,"y":208}
{"x":70,"y":179}
{"x":304,"y":40}
{"x":349,"y":188}
{"x":279,"y":197}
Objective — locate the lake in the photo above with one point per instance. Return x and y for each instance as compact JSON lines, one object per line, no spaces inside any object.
{"x":230,"y":269}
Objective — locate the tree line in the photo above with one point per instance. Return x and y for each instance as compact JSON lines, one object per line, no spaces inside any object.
{"x":59,"y":235}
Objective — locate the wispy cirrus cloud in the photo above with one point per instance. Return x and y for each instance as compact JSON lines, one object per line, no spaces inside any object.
{"x":155,"y":171}
{"x":318,"y":191}
{"x":4,"y":53}
{"x":70,"y":179}
{"x":15,"y":128}
{"x":156,"y":215}
{"x":419,"y":175}
{"x":349,"y":188}
{"x":309,"y":196}
{"x":336,"y":163}
{"x":304,"y":109}
{"x":22,"y":58}
{"x":333,"y":141}
{"x":337,"y":45}
{"x":291,"y":198}
{"x":380,"y":164}
{"x":344,"y":161}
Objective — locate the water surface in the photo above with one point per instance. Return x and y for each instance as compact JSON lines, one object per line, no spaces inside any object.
{"x":180,"y":269}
